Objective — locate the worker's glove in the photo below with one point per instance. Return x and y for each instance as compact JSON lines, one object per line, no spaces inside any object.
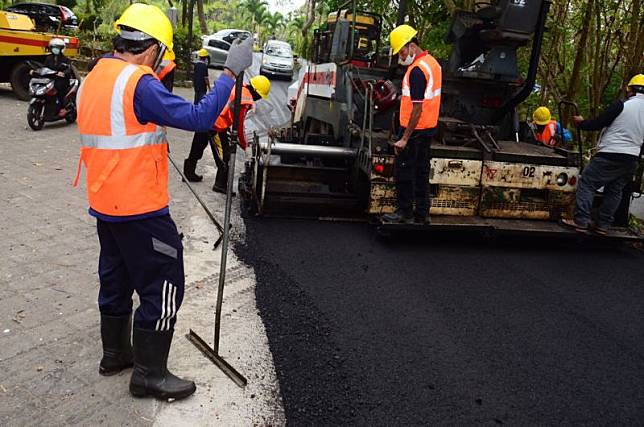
{"x":240,"y":56}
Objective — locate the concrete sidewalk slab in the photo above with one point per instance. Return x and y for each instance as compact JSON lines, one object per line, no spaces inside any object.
{"x":49,"y":321}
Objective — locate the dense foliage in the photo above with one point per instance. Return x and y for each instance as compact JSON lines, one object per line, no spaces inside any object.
{"x":591,"y":49}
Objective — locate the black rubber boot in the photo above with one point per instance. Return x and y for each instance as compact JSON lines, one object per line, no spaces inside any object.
{"x":151,"y":376}
{"x":189,"y":171}
{"x":398,"y":217}
{"x":117,"y":348}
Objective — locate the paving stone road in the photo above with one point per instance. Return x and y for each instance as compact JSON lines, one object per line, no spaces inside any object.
{"x":49,"y":334}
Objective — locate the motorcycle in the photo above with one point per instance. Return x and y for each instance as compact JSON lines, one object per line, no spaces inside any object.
{"x":44,"y":105}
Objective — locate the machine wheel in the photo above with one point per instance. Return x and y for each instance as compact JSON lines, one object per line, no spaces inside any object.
{"x":19,"y":79}
{"x":34,"y":116}
{"x":246,"y":206}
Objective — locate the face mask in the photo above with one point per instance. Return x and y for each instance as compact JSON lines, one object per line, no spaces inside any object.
{"x":408,"y":61}
{"x":55,"y":50}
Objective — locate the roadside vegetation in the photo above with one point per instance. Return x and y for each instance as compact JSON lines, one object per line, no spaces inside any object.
{"x":591,"y":49}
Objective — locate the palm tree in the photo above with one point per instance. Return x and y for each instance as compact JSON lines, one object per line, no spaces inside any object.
{"x":256,"y":9}
{"x":274,"y":23}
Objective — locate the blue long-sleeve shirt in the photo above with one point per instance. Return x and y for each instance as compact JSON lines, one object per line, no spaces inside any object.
{"x":153,"y":103}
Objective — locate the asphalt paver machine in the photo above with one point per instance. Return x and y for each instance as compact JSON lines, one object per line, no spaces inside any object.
{"x":335,"y":159}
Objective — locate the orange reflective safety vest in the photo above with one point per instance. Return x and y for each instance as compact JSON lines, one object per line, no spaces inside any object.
{"x":126,"y":161}
{"x":432,"y":99}
{"x":547,"y":135}
{"x":225,"y":119}
{"x":164,"y":68}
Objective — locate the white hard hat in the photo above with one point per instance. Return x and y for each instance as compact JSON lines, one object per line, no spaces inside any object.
{"x":56,"y":42}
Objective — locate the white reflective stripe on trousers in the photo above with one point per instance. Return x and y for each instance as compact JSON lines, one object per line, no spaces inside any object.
{"x":168,"y":306}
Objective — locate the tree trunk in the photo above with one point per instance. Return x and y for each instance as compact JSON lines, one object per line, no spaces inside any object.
{"x":310,"y":17}
{"x":573,"y":83}
{"x":635,"y":43}
{"x":184,"y":12}
{"x":202,"y":17}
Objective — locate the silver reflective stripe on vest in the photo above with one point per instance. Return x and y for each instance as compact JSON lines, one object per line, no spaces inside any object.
{"x":117,"y":116}
{"x":430,"y":92}
{"x":123,"y":142}
{"x":119,"y":140}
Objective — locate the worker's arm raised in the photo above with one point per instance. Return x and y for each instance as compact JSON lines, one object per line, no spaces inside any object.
{"x":154,"y":104}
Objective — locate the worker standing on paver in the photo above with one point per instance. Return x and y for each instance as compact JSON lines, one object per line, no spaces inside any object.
{"x":548,"y":131}
{"x":258,"y":88}
{"x":617,"y":157}
{"x":122,"y":108}
{"x":419,"y":109}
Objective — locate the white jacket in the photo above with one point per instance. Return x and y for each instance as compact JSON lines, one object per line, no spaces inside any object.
{"x":626,"y":134}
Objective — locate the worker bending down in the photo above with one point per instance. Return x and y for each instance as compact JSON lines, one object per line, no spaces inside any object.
{"x":258,"y":88}
{"x":548,"y":131}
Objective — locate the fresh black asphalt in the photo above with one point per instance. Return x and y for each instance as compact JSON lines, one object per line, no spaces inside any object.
{"x":453,"y":331}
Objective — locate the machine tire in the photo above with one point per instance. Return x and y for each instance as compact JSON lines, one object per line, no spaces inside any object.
{"x":19,"y":79}
{"x":246,"y":206}
{"x":34,"y":116}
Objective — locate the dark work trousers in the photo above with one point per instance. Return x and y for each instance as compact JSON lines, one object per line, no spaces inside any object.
{"x":199,"y":144}
{"x":412,"y":176}
{"x":200,"y":139}
{"x":61,"y":84}
{"x":145,"y":256}
{"x":221,"y":180}
{"x":611,"y":173}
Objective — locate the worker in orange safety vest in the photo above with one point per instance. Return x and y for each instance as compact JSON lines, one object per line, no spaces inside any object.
{"x":123,"y":110}
{"x":548,"y":131}
{"x":419,"y":109}
{"x":258,"y":88}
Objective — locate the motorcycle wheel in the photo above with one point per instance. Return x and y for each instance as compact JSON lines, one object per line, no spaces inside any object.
{"x":71,"y":117}
{"x":34,"y":116}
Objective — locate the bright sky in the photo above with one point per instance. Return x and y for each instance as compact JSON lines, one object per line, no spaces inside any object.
{"x":284,"y":6}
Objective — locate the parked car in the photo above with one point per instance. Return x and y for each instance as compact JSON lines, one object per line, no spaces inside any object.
{"x":277,"y":60}
{"x":46,"y":17}
{"x":218,"y":45}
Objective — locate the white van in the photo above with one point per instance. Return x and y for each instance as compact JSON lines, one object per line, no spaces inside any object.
{"x":277,"y":60}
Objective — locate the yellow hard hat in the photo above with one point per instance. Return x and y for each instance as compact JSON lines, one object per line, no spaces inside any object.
{"x":637,"y":80}
{"x":169,"y":55}
{"x":149,"y":20}
{"x":261,"y":85}
{"x":400,"y":36}
{"x":202,"y":53}
{"x":541,"y":116}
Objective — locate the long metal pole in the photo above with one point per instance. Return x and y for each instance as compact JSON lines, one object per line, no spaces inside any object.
{"x":229,"y":202}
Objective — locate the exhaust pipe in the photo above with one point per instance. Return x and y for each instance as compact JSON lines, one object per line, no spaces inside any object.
{"x":309,"y":150}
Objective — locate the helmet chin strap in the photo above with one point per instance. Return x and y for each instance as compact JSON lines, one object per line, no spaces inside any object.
{"x":159,"y":57}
